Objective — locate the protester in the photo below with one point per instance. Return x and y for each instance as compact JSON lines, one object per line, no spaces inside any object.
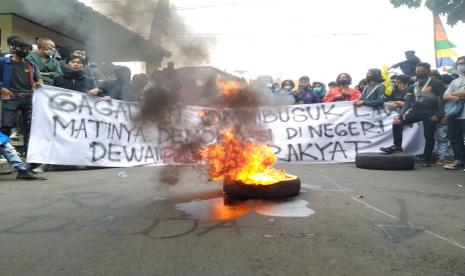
{"x":75,"y":79}
{"x":13,"y":158}
{"x":423,"y":103}
{"x":397,"y":98}
{"x":319,"y":88}
{"x":332,"y":85}
{"x":440,"y":135}
{"x":373,"y":94}
{"x":118,"y":86}
{"x":45,"y":61}
{"x":284,"y":96}
{"x":362,"y":84}
{"x":408,"y":66}
{"x":18,"y":78}
{"x":456,"y":125}
{"x":342,"y":92}
{"x":304,"y":93}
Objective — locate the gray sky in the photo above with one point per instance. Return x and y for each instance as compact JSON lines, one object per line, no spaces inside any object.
{"x":290,"y":38}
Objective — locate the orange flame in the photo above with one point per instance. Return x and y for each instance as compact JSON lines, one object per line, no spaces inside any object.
{"x":229,"y":89}
{"x":233,"y":159}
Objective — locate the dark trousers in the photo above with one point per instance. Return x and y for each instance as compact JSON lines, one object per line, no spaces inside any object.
{"x":429,"y":128}
{"x":455,"y":130}
{"x":9,"y":110}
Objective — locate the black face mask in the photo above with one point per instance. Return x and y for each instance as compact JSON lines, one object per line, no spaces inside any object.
{"x":22,"y":54}
{"x":303,"y":86}
{"x":421,"y":75}
{"x":343,"y":82}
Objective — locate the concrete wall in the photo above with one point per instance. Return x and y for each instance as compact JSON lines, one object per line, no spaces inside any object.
{"x":6,"y":27}
{"x":31,"y":31}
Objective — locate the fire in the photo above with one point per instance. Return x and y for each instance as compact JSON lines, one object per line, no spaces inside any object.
{"x":238,"y":160}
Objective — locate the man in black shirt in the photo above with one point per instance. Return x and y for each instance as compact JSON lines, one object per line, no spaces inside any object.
{"x":18,"y":78}
{"x":424,"y":100}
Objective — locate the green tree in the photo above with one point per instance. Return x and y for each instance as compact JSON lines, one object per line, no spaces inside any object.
{"x":453,"y":9}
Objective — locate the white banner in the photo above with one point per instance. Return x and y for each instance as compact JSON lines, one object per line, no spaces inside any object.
{"x":71,"y":128}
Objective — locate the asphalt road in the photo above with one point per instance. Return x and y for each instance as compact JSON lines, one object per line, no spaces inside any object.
{"x":346,"y":221}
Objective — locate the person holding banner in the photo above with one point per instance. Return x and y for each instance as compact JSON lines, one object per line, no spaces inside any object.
{"x":424,"y":104}
{"x":373,"y":94}
{"x":18,"y":79}
{"x":342,"y":92}
{"x":75,"y":78}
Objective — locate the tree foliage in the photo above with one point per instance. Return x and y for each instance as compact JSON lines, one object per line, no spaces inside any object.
{"x":453,"y":9}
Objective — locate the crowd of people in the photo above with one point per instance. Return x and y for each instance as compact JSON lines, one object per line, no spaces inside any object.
{"x":419,"y":94}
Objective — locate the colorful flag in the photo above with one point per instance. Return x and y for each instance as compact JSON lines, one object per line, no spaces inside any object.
{"x":444,"y":48}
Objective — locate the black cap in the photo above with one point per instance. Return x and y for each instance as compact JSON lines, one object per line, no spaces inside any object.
{"x":19,"y":42}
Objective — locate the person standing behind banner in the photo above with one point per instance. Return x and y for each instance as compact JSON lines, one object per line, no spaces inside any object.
{"x":18,"y":79}
{"x":342,"y":92}
{"x":456,"y":125}
{"x":319,"y":88}
{"x":373,"y":94}
{"x":74,"y":79}
{"x":424,"y":104}
{"x":304,"y":93}
{"x":44,"y":60}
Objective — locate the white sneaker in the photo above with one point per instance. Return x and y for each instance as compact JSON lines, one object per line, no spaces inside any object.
{"x":14,"y":135}
{"x":40,"y":169}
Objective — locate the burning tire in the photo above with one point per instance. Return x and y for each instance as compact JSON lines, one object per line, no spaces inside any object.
{"x":384,"y":161}
{"x":285,"y":188}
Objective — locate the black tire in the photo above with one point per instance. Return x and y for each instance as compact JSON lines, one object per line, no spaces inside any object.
{"x":286,"y":188}
{"x":385,"y":161}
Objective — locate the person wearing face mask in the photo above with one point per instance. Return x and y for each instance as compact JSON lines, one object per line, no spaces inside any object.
{"x":284,"y":95}
{"x":304,"y":94}
{"x":18,"y":79}
{"x":423,"y":103}
{"x":44,"y":59}
{"x":319,"y":89}
{"x":342,"y":92}
{"x":408,"y":66}
{"x":456,"y":125}
{"x":397,"y":98}
{"x":373,"y":94}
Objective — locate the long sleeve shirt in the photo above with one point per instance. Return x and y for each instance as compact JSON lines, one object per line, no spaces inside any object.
{"x":333,"y":94}
{"x":372,"y":97}
{"x":426,"y":101}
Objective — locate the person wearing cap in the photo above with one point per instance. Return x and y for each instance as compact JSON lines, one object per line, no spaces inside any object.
{"x":18,"y":79}
{"x":408,"y":66}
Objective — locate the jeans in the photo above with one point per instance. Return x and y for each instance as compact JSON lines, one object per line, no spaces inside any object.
{"x":428,"y":131}
{"x":455,"y":130}
{"x":10,"y":154}
{"x":442,"y":141}
{"x":8,"y":117}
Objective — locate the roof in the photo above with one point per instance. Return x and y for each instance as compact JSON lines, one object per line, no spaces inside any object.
{"x":106,"y":39}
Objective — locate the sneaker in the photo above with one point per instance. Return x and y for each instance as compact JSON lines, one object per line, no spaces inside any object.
{"x":40,"y":169}
{"x":391,"y":149}
{"x":28,"y":176}
{"x":443,"y":161}
{"x":14,"y":135}
{"x":455,"y":165}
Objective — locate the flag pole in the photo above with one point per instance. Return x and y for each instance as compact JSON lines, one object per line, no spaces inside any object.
{"x":434,"y":38}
